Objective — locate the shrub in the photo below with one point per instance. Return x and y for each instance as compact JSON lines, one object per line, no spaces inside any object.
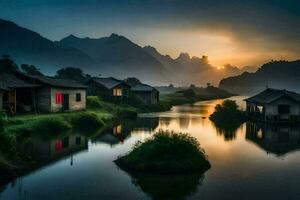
{"x":166,"y":152}
{"x":88,"y":121}
{"x":227,"y":116}
{"x":93,"y":102}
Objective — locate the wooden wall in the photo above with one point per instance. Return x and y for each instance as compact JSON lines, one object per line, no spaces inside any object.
{"x":148,"y":97}
{"x":95,"y":89}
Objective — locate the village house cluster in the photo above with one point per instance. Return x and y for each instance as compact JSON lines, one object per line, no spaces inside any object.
{"x":20,"y":93}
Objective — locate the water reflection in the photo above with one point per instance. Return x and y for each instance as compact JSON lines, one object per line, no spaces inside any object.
{"x":240,"y":165}
{"x":227,"y":131}
{"x":121,"y":131}
{"x":163,"y":187}
{"x":42,"y":151}
{"x":276,"y":139}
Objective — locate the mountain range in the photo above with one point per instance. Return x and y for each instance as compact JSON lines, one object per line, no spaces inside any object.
{"x":275,"y":74}
{"x":109,"y":56}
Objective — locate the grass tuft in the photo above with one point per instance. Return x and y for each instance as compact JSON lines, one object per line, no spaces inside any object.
{"x":166,"y":152}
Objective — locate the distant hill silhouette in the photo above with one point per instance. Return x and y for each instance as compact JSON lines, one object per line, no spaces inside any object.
{"x":25,"y":46}
{"x":196,"y":70}
{"x":275,"y":74}
{"x":109,"y":56}
{"x":118,"y":55}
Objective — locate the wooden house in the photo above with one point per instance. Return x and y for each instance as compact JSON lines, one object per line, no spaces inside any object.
{"x":24,"y":93}
{"x":273,"y":105}
{"x":107,"y":88}
{"x":15,"y":93}
{"x":146,"y":93}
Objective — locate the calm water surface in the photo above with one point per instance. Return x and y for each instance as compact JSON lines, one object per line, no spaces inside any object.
{"x":252,"y":162}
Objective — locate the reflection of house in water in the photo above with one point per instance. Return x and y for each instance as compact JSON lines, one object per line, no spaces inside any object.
{"x":122,"y":131}
{"x":45,"y":151}
{"x":277,"y":139}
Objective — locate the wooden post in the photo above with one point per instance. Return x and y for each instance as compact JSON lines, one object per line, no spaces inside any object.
{"x":15,"y":103}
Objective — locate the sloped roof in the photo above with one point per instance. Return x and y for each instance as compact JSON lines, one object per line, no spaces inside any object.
{"x":108,"y":82}
{"x":10,"y":81}
{"x":65,"y":83}
{"x":142,"y":87}
{"x":269,"y":95}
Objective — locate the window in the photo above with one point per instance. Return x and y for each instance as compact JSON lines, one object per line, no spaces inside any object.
{"x":117,"y":92}
{"x":283,"y":109}
{"x":58,"y":98}
{"x":78,"y":97}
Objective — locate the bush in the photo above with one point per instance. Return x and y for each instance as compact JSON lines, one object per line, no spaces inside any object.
{"x":93,"y":102}
{"x":88,"y":121}
{"x":227,"y":116}
{"x":166,"y":152}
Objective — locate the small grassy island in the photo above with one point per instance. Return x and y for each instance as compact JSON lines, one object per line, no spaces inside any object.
{"x":227,"y":116}
{"x":166,"y":152}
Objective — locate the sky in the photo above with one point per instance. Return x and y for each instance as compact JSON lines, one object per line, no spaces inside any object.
{"x":239,"y":32}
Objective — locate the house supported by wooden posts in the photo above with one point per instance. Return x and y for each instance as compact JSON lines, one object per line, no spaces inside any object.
{"x":16,"y":95}
{"x":21,"y":93}
{"x":274,"y":106}
{"x":146,"y":93}
{"x":107,"y":88}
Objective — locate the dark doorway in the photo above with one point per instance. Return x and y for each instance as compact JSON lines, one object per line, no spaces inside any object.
{"x":65,"y":102}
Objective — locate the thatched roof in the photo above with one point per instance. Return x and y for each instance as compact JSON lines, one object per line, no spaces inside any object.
{"x":108,"y":82}
{"x":10,"y":81}
{"x":269,"y":95}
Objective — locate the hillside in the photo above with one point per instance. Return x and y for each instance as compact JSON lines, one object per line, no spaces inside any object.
{"x":26,"y":46}
{"x":118,"y":55}
{"x":187,"y":69}
{"x":275,"y":74}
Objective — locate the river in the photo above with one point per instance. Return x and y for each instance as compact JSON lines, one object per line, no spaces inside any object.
{"x":251,"y":162}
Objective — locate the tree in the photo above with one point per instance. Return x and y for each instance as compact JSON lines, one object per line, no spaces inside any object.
{"x":192,"y":86}
{"x":171,"y":86}
{"x":132,"y":81}
{"x":31,"y":70}
{"x":72,"y":73}
{"x":7,"y":64}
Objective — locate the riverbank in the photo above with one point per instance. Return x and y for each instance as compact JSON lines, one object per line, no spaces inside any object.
{"x":98,"y":115}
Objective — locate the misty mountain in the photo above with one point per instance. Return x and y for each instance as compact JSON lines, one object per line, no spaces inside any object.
{"x":25,"y":46}
{"x":187,"y":69}
{"x":275,"y":74}
{"x":119,"y":56}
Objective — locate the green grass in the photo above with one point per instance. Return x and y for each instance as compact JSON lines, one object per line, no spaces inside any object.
{"x":98,"y":113}
{"x":166,"y":152}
